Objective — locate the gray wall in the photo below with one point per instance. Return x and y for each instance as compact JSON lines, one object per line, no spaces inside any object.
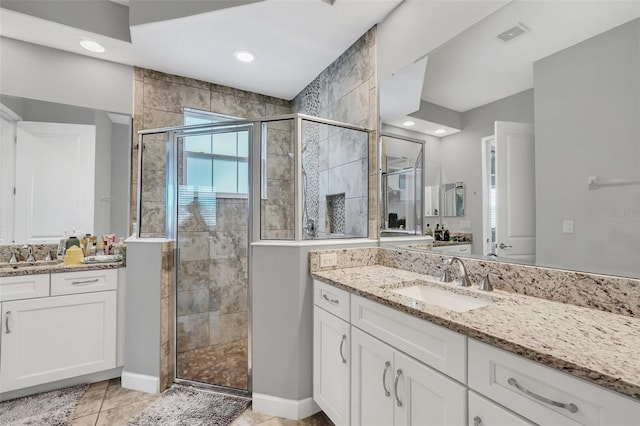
{"x":120,"y":168}
{"x":587,"y":107}
{"x":283,"y":319}
{"x":460,"y":154}
{"x":97,"y":16}
{"x":37,"y":72}
{"x":142,"y":338}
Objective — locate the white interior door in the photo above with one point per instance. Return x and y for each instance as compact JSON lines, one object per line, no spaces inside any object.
{"x":515,"y":188}
{"x":55,"y":180}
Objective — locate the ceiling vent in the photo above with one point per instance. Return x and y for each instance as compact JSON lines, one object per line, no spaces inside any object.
{"x":513,"y":32}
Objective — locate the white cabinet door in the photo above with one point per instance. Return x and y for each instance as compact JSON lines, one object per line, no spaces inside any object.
{"x":331,"y":365}
{"x":483,"y":412}
{"x":54,"y":338}
{"x":424,"y":397}
{"x":371,"y":381}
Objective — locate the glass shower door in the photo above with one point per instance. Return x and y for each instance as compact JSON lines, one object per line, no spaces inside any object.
{"x":212,"y":221}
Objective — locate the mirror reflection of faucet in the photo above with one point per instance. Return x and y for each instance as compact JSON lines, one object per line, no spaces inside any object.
{"x":30,"y":256}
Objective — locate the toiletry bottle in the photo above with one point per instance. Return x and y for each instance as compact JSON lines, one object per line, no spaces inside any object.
{"x":446,"y":235}
{"x":427,"y":230}
{"x":100,"y":248}
{"x":72,"y":241}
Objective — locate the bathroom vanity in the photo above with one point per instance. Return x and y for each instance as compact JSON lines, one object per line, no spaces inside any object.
{"x":59,"y":322}
{"x":394,"y":347}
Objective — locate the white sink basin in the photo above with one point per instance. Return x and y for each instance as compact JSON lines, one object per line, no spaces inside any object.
{"x":444,"y":299}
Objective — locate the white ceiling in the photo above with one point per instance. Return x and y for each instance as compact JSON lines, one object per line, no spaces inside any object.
{"x":476,"y":68}
{"x":292,"y":40}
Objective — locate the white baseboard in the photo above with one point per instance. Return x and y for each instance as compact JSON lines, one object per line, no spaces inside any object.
{"x":140,"y":382}
{"x":288,"y":408}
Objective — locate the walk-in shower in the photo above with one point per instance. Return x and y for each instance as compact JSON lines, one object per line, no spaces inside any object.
{"x":214,"y":189}
{"x":401,"y":183}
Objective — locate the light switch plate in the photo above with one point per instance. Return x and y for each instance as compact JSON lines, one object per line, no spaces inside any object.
{"x":567,"y":226}
{"x":328,"y":259}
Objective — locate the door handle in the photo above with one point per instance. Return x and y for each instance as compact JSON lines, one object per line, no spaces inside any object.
{"x":395,"y":387}
{"x":504,"y":246}
{"x":6,"y":322}
{"x":344,"y":339}
{"x":572,"y":408}
{"x":384,"y":378}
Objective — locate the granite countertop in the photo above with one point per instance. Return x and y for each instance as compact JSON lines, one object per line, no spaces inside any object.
{"x":23,"y":268}
{"x":597,"y":346}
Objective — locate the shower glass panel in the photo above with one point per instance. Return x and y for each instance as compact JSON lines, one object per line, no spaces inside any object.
{"x":335,"y":181}
{"x":277,"y":211}
{"x":401,"y":180}
{"x":212,"y":238}
{"x":201,"y":186}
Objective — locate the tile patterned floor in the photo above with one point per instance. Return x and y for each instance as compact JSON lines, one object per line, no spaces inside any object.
{"x":224,"y":365}
{"x":106,"y":403}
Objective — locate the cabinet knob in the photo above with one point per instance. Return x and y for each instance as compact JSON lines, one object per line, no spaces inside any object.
{"x":477,"y":421}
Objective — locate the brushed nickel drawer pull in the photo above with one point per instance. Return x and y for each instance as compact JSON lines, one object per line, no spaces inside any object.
{"x":95,"y":280}
{"x":572,"y":408}
{"x":330,"y":300}
{"x":344,"y":339}
{"x":395,"y":387}
{"x":384,"y":378}
{"x":6,"y":322}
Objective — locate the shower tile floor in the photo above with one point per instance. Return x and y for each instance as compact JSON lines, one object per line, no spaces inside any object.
{"x":107,"y":404}
{"x":224,"y":365}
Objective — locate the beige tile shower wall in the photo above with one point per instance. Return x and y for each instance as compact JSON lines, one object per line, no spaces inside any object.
{"x":167,"y":317}
{"x":347,"y":91}
{"x":277,"y":205}
{"x":212,"y":279}
{"x":159,"y":100}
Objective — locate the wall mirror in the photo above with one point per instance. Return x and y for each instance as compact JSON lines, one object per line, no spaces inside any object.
{"x":63,"y":168}
{"x":401,"y":186}
{"x":452,"y":199}
{"x":541,"y":124}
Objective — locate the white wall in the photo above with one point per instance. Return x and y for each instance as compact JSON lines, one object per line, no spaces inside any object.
{"x":37,"y":72}
{"x":587,"y":107}
{"x":460,"y":155}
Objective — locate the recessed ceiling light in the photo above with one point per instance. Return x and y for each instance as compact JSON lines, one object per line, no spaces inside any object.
{"x":243,"y":56}
{"x":440,"y":131}
{"x":92,"y":46}
{"x":409,"y":123}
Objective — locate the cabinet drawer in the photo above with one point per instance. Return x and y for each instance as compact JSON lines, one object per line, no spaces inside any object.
{"x":544,"y":395}
{"x":24,"y":287}
{"x":84,"y":282}
{"x":454,"y":249}
{"x":442,"y":349}
{"x":331,"y":299}
{"x":483,"y":412}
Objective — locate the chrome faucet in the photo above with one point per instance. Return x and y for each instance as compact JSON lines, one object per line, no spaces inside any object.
{"x":13,"y":258}
{"x":30,"y":256}
{"x":463,"y":281}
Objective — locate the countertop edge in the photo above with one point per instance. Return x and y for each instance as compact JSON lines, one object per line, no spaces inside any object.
{"x":59,"y":268}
